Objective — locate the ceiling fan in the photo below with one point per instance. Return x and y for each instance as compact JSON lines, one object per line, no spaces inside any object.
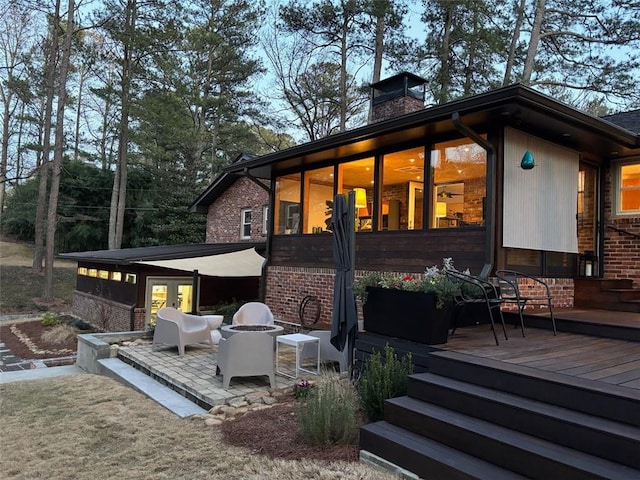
{"x":444,"y":194}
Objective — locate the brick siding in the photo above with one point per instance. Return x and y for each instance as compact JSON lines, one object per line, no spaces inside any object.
{"x":288,"y":286}
{"x":621,"y":251}
{"x":107,"y":315}
{"x":224,"y":216}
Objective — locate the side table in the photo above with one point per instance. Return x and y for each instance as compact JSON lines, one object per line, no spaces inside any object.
{"x":296,"y":340}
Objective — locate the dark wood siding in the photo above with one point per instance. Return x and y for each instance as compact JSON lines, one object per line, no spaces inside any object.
{"x":405,"y":251}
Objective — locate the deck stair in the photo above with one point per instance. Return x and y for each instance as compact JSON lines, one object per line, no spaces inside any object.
{"x":470,"y":417}
{"x":607,"y":294}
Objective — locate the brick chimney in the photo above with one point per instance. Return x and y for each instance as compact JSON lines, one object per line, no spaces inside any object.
{"x":397,"y":95}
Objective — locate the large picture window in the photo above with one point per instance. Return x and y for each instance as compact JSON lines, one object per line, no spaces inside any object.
{"x":459,"y":184}
{"x":287,"y":205}
{"x":402,"y":194}
{"x":627,"y":182}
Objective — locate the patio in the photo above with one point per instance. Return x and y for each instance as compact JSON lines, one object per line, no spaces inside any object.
{"x":193,"y":374}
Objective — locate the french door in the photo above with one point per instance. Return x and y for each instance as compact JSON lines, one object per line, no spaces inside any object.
{"x":174,"y":292}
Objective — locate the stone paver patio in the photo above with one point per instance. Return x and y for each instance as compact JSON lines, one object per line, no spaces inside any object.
{"x":194,"y":373}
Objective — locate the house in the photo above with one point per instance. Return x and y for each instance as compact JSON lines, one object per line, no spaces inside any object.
{"x":506,"y":179}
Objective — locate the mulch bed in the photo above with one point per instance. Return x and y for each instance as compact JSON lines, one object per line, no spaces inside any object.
{"x":275,"y":432}
{"x":24,"y":339}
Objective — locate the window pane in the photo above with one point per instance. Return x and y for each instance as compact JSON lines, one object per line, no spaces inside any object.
{"x":359,"y":174}
{"x":287,"y":201}
{"x":630,"y":188}
{"x":402,"y":185}
{"x":459,"y":184}
{"x":246,"y":223}
{"x":317,"y":200}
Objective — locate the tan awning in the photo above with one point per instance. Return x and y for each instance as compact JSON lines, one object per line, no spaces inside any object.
{"x":245,"y":263}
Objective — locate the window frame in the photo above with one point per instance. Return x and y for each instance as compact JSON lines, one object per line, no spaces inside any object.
{"x":265,"y":219}
{"x":618,"y":189}
{"x":244,"y":223}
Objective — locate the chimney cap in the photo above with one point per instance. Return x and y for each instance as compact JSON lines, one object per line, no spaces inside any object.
{"x":392,"y":82}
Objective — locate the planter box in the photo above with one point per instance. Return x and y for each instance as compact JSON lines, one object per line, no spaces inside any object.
{"x":407,"y":315}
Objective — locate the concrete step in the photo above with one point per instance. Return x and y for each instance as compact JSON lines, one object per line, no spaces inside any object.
{"x":144,"y":384}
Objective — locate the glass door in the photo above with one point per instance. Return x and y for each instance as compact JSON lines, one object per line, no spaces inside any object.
{"x":174,"y":292}
{"x":587,"y":220}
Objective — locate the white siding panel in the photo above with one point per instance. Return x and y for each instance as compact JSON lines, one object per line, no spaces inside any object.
{"x":540,"y":205}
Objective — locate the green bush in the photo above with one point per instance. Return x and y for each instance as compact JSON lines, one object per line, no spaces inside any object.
{"x":51,"y":319}
{"x":382,"y":379}
{"x":328,"y":417}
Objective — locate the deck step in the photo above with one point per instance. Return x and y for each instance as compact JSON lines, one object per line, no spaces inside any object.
{"x":514,"y":451}
{"x":593,"y":435}
{"x":611,"y":402}
{"x":163,"y":395}
{"x":425,"y":457}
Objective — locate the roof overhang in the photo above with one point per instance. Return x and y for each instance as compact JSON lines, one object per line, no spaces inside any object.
{"x":515,"y":105}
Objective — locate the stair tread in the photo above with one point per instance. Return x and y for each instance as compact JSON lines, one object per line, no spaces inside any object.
{"x":163,"y":395}
{"x":550,"y":377}
{"x":524,"y":442}
{"x":562,"y":414}
{"x":449,"y":456}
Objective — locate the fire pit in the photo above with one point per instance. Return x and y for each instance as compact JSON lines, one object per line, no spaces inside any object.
{"x":228,"y":330}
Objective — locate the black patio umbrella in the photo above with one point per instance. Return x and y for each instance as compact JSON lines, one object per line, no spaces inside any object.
{"x":344,"y":322}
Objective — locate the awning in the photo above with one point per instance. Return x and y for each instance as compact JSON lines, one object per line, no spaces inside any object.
{"x":243,"y":263}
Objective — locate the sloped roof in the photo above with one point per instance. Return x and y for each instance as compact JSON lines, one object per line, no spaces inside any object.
{"x":219,"y":185}
{"x":629,"y":120}
{"x":516,"y":105}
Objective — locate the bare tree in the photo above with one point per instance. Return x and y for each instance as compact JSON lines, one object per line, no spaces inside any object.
{"x":13,"y":45}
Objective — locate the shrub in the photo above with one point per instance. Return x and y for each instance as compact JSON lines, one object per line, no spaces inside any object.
{"x":60,"y":334}
{"x":328,"y":417}
{"x":382,"y":379}
{"x":51,"y":319}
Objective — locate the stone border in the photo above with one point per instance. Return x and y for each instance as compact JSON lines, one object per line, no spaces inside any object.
{"x":96,"y":346}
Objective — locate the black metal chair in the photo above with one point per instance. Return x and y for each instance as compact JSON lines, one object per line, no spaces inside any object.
{"x":510,"y":291}
{"x":477,"y":290}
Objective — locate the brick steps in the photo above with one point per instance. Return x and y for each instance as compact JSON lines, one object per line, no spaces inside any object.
{"x":606,"y":294}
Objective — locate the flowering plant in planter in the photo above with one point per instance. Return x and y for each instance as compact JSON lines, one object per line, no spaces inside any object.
{"x":433,"y":280}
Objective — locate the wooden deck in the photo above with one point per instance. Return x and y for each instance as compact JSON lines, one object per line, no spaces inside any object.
{"x":615,"y":362}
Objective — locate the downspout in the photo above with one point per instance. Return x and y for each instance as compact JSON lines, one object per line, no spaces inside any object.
{"x":262,"y":292}
{"x":490,"y":237}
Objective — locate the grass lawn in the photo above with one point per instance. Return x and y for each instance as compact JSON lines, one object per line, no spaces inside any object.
{"x":21,"y":287}
{"x":89,"y":426}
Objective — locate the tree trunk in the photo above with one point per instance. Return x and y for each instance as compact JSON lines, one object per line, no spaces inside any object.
{"x":76,"y":143}
{"x":119,"y":192}
{"x":52,"y":216}
{"x":511,"y":59}
{"x":534,"y":40}
{"x":43,"y":170}
{"x":343,"y":77}
{"x":5,"y":155}
{"x":443,"y":96}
